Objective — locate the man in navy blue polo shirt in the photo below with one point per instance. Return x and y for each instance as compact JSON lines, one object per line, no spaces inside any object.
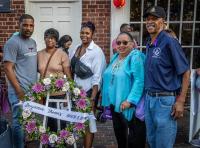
{"x":166,"y":81}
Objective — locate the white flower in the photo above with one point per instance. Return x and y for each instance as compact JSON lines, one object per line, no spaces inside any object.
{"x":42,"y":129}
{"x":51,"y":75}
{"x":65,"y":87}
{"x":53,"y":138}
{"x":76,"y":91}
{"x":26,"y":113}
{"x":64,"y":76}
{"x":70,"y":140}
{"x":47,"y":81}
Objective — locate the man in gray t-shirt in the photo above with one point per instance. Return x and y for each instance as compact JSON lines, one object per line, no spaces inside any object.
{"x":20,"y":63}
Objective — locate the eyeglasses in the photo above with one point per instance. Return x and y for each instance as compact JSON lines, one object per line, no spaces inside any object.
{"x":49,"y":38}
{"x":122,"y":42}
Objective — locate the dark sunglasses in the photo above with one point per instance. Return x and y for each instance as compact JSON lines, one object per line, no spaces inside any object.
{"x":122,"y":42}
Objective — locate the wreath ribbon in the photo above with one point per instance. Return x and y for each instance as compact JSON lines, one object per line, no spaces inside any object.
{"x":65,"y":115}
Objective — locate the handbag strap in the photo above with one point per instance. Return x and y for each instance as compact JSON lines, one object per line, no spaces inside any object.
{"x":78,"y":51}
{"x":45,"y":71}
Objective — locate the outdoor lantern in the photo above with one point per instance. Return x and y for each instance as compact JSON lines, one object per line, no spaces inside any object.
{"x":119,"y":3}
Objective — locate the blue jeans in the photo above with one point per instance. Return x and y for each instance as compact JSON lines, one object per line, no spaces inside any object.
{"x":160,"y":125}
{"x":17,"y":131}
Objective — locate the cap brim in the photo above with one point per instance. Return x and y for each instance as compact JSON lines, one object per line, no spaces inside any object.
{"x":153,"y":14}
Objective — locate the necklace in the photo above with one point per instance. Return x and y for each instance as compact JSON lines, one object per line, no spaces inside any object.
{"x":115,"y":67}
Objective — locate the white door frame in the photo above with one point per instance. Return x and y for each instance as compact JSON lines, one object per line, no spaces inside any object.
{"x":118,"y":17}
{"x":27,"y":2}
{"x":28,"y":8}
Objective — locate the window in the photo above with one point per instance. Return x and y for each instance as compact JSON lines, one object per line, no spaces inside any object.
{"x":5,"y":6}
{"x":186,"y":24}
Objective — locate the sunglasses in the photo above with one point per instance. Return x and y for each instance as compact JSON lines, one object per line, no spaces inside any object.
{"x":122,"y":42}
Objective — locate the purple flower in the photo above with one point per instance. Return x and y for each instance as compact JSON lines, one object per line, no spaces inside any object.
{"x":79,"y":126}
{"x":81,"y":103}
{"x":31,"y":126}
{"x":37,"y":88}
{"x":64,"y":133}
{"x":83,"y":93}
{"x":59,"y":83}
{"x":44,"y":139}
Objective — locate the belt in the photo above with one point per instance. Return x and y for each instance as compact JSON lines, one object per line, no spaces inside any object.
{"x":161,"y":94}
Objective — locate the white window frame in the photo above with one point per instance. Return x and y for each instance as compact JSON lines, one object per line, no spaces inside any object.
{"x":181,"y":22}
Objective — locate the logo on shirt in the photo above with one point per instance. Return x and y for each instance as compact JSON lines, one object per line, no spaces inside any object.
{"x":31,"y":52}
{"x":156,"y":52}
{"x":31,"y":49}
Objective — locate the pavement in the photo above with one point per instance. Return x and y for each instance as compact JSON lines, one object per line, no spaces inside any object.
{"x":105,"y":137}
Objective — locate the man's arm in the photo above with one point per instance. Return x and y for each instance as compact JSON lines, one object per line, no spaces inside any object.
{"x":185,"y":85}
{"x":9,"y":70}
{"x":178,"y":107}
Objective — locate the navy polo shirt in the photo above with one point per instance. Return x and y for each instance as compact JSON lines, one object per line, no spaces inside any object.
{"x":165,"y":64}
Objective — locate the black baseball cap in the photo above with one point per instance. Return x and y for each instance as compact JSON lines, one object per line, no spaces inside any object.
{"x":156,"y":11}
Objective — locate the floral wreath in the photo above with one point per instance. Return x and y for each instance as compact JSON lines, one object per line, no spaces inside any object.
{"x":32,"y":123}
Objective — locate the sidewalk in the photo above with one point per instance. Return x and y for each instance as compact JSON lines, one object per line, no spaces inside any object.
{"x":105,"y":137}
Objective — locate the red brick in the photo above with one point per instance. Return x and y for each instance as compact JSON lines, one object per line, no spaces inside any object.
{"x":18,"y":2}
{"x":101,"y":17}
{"x":3,"y":27}
{"x":3,"y":19}
{"x":10,"y":23}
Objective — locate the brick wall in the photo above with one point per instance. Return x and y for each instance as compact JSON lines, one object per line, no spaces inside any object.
{"x":9,"y":21}
{"x":99,"y":12}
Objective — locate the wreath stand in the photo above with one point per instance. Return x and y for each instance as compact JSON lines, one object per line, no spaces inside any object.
{"x":57,"y":101}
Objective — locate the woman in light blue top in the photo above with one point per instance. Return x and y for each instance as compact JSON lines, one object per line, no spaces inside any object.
{"x":123,"y":83}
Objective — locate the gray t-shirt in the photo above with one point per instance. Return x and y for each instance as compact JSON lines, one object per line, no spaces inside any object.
{"x":23,"y":53}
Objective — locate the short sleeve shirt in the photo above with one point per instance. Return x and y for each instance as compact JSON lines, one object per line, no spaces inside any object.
{"x":23,"y":53}
{"x":58,"y":62}
{"x":165,"y":64}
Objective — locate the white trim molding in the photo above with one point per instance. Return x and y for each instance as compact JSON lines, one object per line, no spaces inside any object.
{"x":118,"y":17}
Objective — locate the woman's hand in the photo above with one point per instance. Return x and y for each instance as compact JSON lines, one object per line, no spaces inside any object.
{"x":125,"y":105}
